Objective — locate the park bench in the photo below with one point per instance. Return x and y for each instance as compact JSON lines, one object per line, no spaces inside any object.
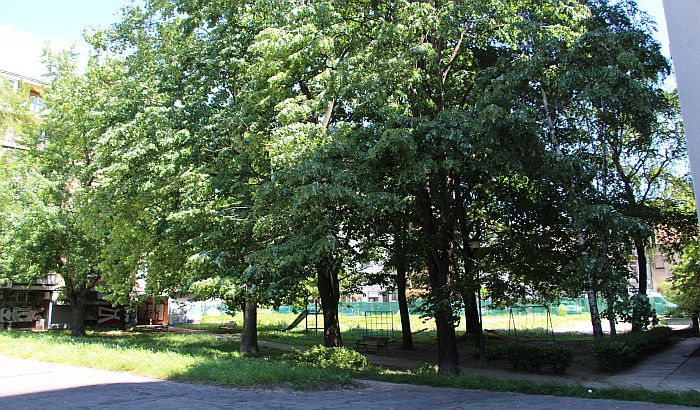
{"x":230,"y":327}
{"x":380,"y":342}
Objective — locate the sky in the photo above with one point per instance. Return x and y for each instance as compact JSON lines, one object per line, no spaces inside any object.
{"x":25,"y":28}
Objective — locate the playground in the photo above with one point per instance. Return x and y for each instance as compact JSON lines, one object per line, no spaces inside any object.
{"x":204,"y":353}
{"x":304,"y":327}
{"x":376,"y":330}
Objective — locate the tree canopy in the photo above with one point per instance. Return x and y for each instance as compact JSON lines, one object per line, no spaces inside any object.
{"x":247,"y":148}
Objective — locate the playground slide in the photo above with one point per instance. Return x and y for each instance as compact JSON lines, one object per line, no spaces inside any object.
{"x":296,"y":321}
{"x":500,"y":336}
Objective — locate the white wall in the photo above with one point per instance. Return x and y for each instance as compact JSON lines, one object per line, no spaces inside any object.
{"x":683,"y":23}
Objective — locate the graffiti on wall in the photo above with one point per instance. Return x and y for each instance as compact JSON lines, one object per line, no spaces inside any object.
{"x":21,"y":313}
{"x":153,"y":313}
{"x":108,"y":316}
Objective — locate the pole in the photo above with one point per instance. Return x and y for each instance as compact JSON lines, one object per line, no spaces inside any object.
{"x":481,"y":317}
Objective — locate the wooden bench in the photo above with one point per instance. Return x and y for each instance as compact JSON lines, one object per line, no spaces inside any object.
{"x":229,"y":329}
{"x":380,"y":342}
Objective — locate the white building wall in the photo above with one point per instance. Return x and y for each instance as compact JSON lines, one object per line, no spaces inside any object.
{"x":683,"y":23}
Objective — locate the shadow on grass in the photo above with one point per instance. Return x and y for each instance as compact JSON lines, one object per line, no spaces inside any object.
{"x":207,"y":359}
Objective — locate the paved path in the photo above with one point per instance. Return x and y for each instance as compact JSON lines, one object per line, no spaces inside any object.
{"x":27,"y":385}
{"x":671,"y":369}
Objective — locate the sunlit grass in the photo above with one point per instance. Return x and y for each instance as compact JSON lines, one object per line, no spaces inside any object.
{"x":209,"y":359}
{"x":530,"y":326}
{"x":199,"y":358}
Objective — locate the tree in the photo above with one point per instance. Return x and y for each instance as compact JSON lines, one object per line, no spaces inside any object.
{"x":686,"y":282}
{"x":635,"y":124}
{"x":180,"y":157}
{"x":47,"y":230}
{"x":415,"y":74}
{"x":607,"y":120}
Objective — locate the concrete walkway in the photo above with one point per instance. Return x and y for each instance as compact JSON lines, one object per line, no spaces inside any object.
{"x":26,"y":384}
{"x":671,"y":369}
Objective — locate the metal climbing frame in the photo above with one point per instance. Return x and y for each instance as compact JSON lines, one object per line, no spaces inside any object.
{"x":379,"y":323}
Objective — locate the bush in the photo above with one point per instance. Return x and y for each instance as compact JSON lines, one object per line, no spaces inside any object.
{"x":528,"y":357}
{"x":492,"y":353}
{"x":614,"y":353}
{"x":324,"y":357}
{"x":658,"y":338}
{"x":561,"y":311}
{"x":648,"y":342}
{"x":623,"y":350}
{"x":426,"y":370}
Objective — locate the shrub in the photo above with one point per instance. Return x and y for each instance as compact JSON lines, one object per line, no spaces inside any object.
{"x":614,"y":353}
{"x":528,"y":357}
{"x":324,"y":357}
{"x":558,"y":358}
{"x":492,"y":352}
{"x":658,"y":338}
{"x":650,"y":341}
{"x":623,"y":350}
{"x":426,"y":369}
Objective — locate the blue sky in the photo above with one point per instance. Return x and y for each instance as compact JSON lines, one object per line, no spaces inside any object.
{"x":25,"y":27}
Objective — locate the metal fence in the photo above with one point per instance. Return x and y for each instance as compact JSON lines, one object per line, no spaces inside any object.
{"x":565,"y":307}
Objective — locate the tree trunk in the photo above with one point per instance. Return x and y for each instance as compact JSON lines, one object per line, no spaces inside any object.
{"x":328,"y":289}
{"x":642,"y":280}
{"x":471,"y":311}
{"x":406,"y":336}
{"x":611,"y":315}
{"x":249,"y":335}
{"x":77,"y":302}
{"x":440,"y":262}
{"x":471,"y":314}
{"x":448,"y":360}
{"x":696,"y":325}
{"x":593,"y":306}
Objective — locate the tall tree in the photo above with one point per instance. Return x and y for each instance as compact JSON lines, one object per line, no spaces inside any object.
{"x":635,"y":124}
{"x":48,"y":230}
{"x":686,"y":282}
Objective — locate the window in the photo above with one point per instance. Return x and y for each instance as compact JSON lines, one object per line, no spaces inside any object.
{"x":658,"y":262}
{"x":36,"y":105}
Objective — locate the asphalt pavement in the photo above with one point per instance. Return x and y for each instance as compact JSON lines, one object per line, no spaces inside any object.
{"x":26,"y":384}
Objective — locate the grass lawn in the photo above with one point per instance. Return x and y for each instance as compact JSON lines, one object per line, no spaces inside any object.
{"x":207,"y":359}
{"x":189,"y":358}
{"x":353,"y":327}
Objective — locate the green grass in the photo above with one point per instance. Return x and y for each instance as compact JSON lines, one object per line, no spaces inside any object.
{"x":190,"y":358}
{"x":688,"y":398}
{"x":207,"y":359}
{"x":353,"y":327}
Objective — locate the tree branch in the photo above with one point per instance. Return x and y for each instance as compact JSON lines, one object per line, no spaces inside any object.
{"x":455,"y":53}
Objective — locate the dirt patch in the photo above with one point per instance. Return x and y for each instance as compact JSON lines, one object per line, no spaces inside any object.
{"x":583,"y":365}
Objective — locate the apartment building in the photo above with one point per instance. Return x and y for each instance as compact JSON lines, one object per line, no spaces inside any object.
{"x":17,"y":84}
